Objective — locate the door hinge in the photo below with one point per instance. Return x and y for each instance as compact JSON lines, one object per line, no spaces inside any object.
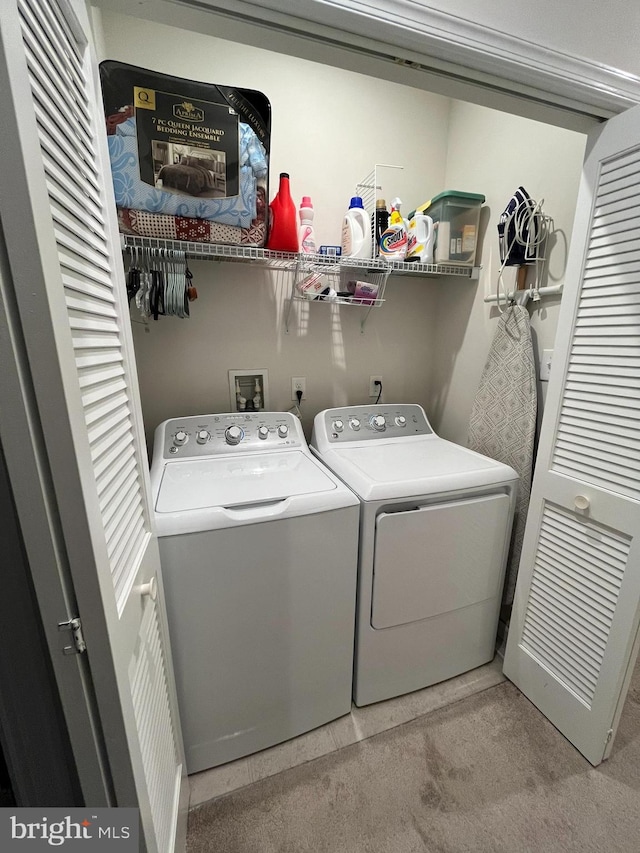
{"x":609,"y":735}
{"x":75,"y":626}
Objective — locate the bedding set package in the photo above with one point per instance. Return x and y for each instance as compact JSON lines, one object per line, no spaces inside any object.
{"x":189,"y":161}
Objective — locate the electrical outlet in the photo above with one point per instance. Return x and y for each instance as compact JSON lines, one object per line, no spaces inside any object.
{"x":545,"y":365}
{"x":298,"y":383}
{"x":374,"y":389}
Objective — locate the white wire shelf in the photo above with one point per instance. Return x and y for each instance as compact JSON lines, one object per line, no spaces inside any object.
{"x":291,"y":260}
{"x":341,"y":300}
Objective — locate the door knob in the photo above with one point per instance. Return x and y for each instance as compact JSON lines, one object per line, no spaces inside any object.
{"x":150,"y":589}
{"x":581,"y":502}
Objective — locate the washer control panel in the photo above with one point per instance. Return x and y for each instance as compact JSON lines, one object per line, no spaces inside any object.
{"x":371,"y":423}
{"x":208,"y":435}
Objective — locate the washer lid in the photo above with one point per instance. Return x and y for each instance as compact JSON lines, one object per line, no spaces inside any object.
{"x":234,"y":481}
{"x":423,"y":466}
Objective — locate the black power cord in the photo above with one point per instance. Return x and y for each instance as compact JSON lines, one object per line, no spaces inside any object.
{"x":299,"y":396}
{"x":378,"y":383}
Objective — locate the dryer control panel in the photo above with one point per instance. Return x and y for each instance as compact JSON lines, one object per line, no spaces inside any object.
{"x":370,"y":423}
{"x":210,"y":435}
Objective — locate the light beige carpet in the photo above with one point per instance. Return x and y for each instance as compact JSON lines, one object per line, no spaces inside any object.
{"x":486,"y":775}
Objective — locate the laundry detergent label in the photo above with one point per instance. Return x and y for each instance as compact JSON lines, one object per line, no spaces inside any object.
{"x":393,"y":242}
{"x":186,"y":146}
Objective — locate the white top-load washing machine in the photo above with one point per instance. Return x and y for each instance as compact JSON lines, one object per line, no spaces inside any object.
{"x":434,"y":535}
{"x":258,"y":543}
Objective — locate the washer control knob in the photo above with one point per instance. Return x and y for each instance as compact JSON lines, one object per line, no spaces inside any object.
{"x":203,"y":436}
{"x":180,"y":438}
{"x":378,"y":422}
{"x":263,"y":432}
{"x":338,"y":426}
{"x":283,"y":431}
{"x":233,"y":434}
{"x":354,"y":423}
{"x":401,"y":421}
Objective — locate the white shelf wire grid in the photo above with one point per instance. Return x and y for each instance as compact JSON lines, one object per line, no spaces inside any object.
{"x":291,"y":261}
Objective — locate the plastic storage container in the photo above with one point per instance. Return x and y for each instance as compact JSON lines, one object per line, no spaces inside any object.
{"x":456,"y":217}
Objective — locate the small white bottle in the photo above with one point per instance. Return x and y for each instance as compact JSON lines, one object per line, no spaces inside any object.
{"x":420,"y":246}
{"x":356,"y":231}
{"x":306,"y":234}
{"x":257,"y":397}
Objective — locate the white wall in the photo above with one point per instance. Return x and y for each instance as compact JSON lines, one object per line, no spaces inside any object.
{"x":601,"y":32}
{"x":494,"y":153}
{"x":329,"y":129}
{"x":430,"y":339}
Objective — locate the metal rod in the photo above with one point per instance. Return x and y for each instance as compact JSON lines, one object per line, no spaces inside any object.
{"x":552,"y":290}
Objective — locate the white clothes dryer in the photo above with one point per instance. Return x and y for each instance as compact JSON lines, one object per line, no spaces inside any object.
{"x":258,"y":544}
{"x":434,"y":536}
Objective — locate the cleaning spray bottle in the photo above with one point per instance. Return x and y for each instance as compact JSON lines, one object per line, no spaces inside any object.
{"x":283,"y":231}
{"x":306,"y":235}
{"x":356,"y":231}
{"x":393,"y":243}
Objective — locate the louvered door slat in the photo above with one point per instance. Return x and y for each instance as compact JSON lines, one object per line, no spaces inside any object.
{"x":545,"y":634}
{"x":151,"y":706}
{"x":610,"y":302}
{"x":66,"y":189}
{"x":593,"y":374}
{"x":571,"y":588}
{"x":597,"y":433}
{"x":85,"y":256}
{"x":57,"y":161}
{"x":550,"y":590}
{"x":578,"y":565}
{"x":97,"y":375}
{"x":42,"y":40}
{"x":91,"y":305}
{"x":612,"y":169}
{"x":104,"y":408}
{"x":618,"y":202}
{"x":124,"y":548}
{"x":601,"y":448}
{"x":584,"y":643}
{"x":50,"y":123}
{"x":621,"y":225}
{"x":51,"y":91}
{"x":72,"y":222}
{"x":618,"y":243}
{"x":110,"y":475}
{"x":586,"y":386}
{"x":75,"y":283}
{"x":128,"y":481}
{"x":110,"y":441}
{"x":101,"y":427}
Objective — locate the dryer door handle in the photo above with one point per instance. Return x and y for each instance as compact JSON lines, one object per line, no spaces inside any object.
{"x":256,"y":511}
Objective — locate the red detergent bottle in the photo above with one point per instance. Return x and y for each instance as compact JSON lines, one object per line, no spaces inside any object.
{"x":283,"y":228}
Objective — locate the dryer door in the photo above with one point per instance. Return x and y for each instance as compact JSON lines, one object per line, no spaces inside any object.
{"x":439,"y":558}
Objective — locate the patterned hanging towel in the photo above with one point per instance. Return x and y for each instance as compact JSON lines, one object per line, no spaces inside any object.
{"x":503,"y":418}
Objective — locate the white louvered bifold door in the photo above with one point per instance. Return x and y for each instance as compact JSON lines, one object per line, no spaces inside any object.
{"x":573,"y":638}
{"x":69,"y":258}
